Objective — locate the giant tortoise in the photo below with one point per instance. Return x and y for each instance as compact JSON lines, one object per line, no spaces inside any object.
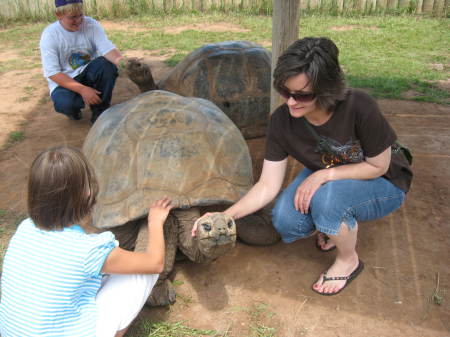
{"x":160,"y":143}
{"x":234,"y":75}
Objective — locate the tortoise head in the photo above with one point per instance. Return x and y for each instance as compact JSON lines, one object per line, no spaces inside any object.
{"x":216,"y":235}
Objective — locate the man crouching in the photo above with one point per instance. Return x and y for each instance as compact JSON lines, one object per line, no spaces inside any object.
{"x":79,"y":61}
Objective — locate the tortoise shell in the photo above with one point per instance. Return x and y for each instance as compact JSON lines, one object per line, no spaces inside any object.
{"x":234,"y":75}
{"x":160,"y":143}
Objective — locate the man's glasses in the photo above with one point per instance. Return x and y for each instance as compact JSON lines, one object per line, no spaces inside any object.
{"x":299,"y":97}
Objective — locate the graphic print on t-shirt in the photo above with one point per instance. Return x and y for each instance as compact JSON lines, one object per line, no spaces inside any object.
{"x":78,"y":59}
{"x":334,"y":153}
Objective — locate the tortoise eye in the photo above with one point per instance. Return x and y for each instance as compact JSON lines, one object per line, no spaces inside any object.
{"x":206,"y":227}
{"x":230,"y":224}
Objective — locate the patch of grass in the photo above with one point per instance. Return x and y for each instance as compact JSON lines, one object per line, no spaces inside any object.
{"x":176,"y":283}
{"x":438,"y":295}
{"x":175,"y":59}
{"x":23,"y":99}
{"x":16,"y":136}
{"x":259,"y":311}
{"x":29,"y":89}
{"x":184,"y":300}
{"x":22,"y":64}
{"x":43,"y":100}
{"x":259,"y":330}
{"x":258,"y":314}
{"x":169,"y":329}
{"x":379,"y":53}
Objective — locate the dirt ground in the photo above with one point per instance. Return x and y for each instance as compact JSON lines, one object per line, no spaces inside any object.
{"x":252,"y":290}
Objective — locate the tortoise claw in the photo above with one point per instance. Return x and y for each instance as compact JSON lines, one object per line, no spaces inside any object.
{"x":163,"y":293}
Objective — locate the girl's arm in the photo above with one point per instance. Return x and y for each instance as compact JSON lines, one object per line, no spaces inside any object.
{"x":370,"y":168}
{"x":121,"y":261}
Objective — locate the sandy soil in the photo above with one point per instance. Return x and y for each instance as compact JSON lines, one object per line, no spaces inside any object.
{"x":257,"y":287}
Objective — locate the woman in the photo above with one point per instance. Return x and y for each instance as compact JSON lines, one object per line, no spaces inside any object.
{"x":344,"y":142}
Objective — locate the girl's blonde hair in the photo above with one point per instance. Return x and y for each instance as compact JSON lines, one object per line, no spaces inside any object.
{"x":62,"y":188}
{"x":75,"y":8}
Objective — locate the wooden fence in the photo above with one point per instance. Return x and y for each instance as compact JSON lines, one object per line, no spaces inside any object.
{"x":12,"y":8}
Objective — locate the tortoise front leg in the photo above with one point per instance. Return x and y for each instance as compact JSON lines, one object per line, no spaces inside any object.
{"x":163,"y":293}
{"x":257,"y":228}
{"x":188,"y":244}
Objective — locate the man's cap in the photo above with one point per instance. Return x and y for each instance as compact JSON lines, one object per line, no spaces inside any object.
{"x":59,"y":3}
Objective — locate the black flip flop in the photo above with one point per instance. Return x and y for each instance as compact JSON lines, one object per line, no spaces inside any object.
{"x":326,"y":238}
{"x":348,"y":279}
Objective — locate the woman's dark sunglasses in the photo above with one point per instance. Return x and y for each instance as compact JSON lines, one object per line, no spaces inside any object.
{"x":299,"y":97}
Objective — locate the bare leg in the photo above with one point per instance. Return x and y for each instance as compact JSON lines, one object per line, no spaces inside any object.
{"x":346,"y":260}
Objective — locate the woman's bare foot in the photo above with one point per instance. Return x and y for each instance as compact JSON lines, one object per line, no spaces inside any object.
{"x":324,"y":243}
{"x":340,"y":268}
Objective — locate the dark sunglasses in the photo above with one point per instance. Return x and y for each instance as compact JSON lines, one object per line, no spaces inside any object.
{"x":299,"y":97}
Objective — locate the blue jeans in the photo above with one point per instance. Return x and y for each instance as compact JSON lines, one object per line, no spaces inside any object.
{"x":99,"y":74}
{"x":333,"y":203}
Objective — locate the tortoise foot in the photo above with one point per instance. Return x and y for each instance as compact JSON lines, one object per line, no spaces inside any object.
{"x":163,"y":293}
{"x":257,"y":229}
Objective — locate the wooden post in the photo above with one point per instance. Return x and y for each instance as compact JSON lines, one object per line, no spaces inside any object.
{"x":427,"y":6}
{"x":285,"y":28}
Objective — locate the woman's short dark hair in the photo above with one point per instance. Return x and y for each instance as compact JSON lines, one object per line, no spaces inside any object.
{"x":317,"y":58}
{"x":62,"y":188}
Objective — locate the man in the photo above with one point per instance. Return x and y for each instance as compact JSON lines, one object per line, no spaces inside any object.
{"x":79,"y":61}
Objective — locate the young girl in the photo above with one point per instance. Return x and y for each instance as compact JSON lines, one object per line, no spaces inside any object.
{"x":60,"y":281}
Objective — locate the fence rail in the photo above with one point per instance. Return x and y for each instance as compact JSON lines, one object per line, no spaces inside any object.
{"x":45,"y":8}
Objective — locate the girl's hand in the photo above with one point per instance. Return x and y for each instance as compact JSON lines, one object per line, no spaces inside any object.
{"x":159,"y":210}
{"x":307,"y":188}
{"x":194,"y":228}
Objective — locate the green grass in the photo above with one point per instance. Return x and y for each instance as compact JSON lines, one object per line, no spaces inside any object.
{"x":259,"y":330}
{"x":169,"y":329}
{"x":38,"y":10}
{"x":16,"y":136}
{"x":258,"y":314}
{"x":388,"y":55}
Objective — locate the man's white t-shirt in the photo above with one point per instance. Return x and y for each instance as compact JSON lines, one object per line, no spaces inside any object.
{"x":68,"y":52}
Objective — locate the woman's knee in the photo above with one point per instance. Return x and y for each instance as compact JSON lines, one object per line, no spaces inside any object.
{"x":290,"y":223}
{"x":324,"y":200}
{"x":329,"y":209}
{"x":282,"y":212}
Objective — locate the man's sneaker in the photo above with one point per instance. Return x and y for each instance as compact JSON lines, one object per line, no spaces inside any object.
{"x":76,"y":116}
{"x":95,"y":115}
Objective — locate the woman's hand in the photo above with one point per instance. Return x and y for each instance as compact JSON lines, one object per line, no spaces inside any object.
{"x":159,"y":211}
{"x":307,"y":188}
